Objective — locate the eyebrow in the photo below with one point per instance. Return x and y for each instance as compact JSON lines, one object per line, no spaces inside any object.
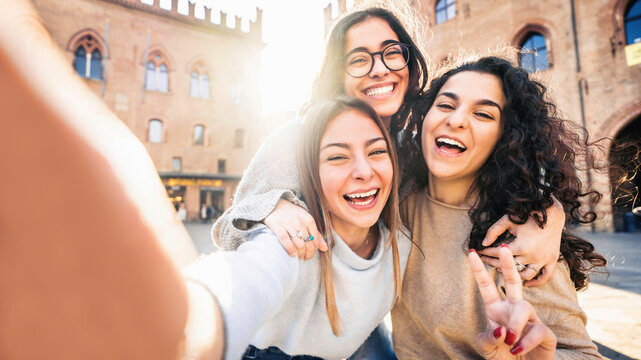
{"x":345,"y":146}
{"x":488,"y":102}
{"x":383,"y":44}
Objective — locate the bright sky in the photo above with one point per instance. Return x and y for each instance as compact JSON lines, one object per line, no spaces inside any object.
{"x":294,"y":38}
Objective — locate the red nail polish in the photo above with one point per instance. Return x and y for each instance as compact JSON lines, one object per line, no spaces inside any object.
{"x":472,"y":251}
{"x":505,"y":246}
{"x":517,"y":349}
{"x":510,"y":338}
{"x":497,"y":332}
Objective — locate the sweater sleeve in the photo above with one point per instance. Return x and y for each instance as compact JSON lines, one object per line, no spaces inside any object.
{"x":259,"y":269}
{"x":557,"y":306}
{"x":271,"y":175}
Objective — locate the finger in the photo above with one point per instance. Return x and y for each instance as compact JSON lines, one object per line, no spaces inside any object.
{"x":530,"y":272}
{"x":487,"y":288}
{"x":310,"y":249}
{"x":497,"y":229}
{"x":285,"y":241}
{"x":538,"y":335}
{"x":520,"y":313}
{"x":489,"y":341}
{"x":490,"y":261}
{"x":491,"y":251}
{"x":544,"y":275}
{"x":319,"y":241}
{"x":513,"y":285}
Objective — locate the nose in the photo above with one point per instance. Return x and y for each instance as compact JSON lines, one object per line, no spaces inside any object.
{"x":457,"y":119}
{"x":362,"y":168}
{"x":378,"y":68}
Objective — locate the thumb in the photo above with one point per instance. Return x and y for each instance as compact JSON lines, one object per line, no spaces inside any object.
{"x":489,"y":341}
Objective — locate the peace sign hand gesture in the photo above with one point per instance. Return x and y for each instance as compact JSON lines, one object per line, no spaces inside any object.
{"x":515,"y":328}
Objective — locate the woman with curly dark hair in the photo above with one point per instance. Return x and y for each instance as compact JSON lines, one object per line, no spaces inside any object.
{"x":488,"y":143}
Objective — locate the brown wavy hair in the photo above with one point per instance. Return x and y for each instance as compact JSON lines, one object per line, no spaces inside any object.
{"x":534,"y":160}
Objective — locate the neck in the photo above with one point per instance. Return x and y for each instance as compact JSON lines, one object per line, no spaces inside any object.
{"x":451,"y":192}
{"x":360,"y":240}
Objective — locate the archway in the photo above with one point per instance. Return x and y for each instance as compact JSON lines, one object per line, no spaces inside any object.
{"x":625,"y":176}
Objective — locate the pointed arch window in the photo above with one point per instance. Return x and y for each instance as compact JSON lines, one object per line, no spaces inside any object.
{"x":633,"y":23}
{"x":199,"y":82}
{"x":445,"y":10}
{"x":157,"y":73}
{"x":88,"y":58}
{"x":534,"y":55}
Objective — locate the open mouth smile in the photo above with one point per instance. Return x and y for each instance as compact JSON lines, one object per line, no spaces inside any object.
{"x":449,"y":145}
{"x":380,"y":91}
{"x":362,"y":199}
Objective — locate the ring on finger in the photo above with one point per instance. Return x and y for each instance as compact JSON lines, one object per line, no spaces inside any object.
{"x":309,"y":238}
{"x":299,"y":234}
{"x":530,"y":266}
{"x":519,"y":267}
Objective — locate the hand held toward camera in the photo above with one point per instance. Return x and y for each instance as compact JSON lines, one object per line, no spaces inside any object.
{"x":296,"y":230}
{"x":514,"y":327}
{"x":537,"y":249}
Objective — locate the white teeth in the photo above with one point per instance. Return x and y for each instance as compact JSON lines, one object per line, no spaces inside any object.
{"x":383,"y":90}
{"x":451,"y":142}
{"x":362,"y":195}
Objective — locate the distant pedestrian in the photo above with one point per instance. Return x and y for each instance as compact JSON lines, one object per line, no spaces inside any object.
{"x":182,"y":212}
{"x":203,"y":212}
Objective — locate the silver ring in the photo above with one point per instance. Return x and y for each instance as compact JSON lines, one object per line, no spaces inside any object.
{"x":299,"y":234}
{"x":519,"y":267}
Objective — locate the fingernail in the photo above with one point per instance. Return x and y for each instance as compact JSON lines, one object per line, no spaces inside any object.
{"x":497,"y":332}
{"x":505,"y":246}
{"x":510,"y":337}
{"x":472,"y":251}
{"x":484,"y":242}
{"x":517,"y":349}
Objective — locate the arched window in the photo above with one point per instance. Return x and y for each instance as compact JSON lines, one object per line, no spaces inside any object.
{"x":204,"y":86}
{"x":155,"y":131}
{"x":633,"y":23}
{"x":194,"y":84}
{"x":87,"y":60}
{"x":199,"y":82}
{"x":445,"y":10}
{"x":157,"y":73}
{"x":534,"y":55}
{"x":199,"y":135}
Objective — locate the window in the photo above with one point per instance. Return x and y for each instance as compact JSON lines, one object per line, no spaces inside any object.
{"x":87,"y":59}
{"x":633,"y":23}
{"x":445,"y":10}
{"x":155,"y":131}
{"x":222,"y":164}
{"x":157,"y":73}
{"x":199,"y":82}
{"x":199,"y":135}
{"x":534,"y":55}
{"x":234,"y":92}
{"x":239,"y":138}
{"x":176,"y":164}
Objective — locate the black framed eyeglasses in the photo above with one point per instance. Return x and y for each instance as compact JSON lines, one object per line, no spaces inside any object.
{"x":360,"y":62}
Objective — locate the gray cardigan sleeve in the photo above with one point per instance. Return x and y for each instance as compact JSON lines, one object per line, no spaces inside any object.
{"x":271,"y":175}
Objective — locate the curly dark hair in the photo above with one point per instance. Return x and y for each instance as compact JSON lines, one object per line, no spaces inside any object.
{"x":533,"y":161}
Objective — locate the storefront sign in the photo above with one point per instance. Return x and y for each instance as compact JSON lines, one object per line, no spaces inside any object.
{"x":198,"y":182}
{"x":633,"y":54}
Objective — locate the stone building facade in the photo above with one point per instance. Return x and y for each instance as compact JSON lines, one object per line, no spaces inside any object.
{"x":589,"y":56}
{"x":186,"y":87}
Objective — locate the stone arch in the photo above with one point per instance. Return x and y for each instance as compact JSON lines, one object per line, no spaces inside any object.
{"x":97,"y":42}
{"x":540,"y":26}
{"x":158,"y":50}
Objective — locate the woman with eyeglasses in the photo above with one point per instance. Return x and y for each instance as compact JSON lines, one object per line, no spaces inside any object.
{"x":370,"y":56}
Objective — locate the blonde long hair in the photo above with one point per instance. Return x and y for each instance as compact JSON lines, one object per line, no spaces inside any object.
{"x":314,"y":126}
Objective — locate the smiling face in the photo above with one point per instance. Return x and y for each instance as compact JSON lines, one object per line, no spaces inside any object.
{"x":462,"y":127}
{"x":355,"y":171}
{"x":382,"y":88}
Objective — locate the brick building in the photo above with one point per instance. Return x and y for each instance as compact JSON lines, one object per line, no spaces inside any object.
{"x":588,"y":52}
{"x":187,"y":87}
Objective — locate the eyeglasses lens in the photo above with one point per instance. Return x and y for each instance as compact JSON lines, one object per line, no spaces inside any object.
{"x":360,"y":63}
